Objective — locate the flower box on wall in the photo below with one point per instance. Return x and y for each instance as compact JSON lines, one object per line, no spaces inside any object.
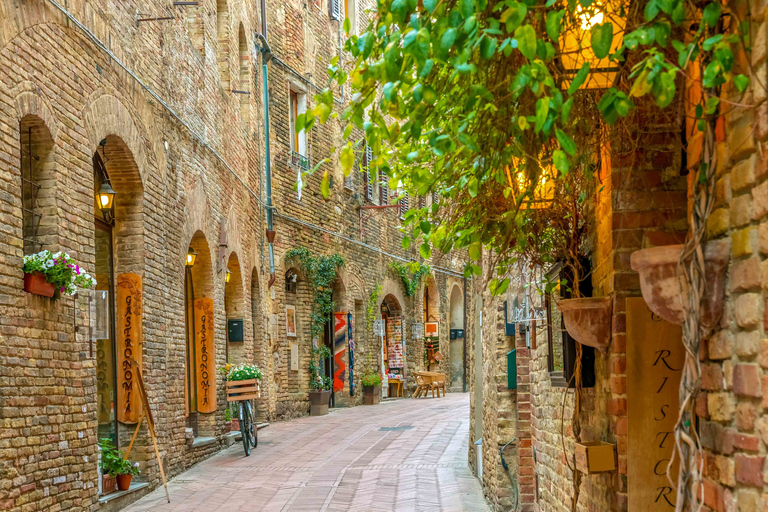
{"x":36,"y":284}
{"x":595,"y":457}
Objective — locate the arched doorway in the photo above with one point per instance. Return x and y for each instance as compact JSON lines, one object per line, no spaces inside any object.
{"x":430,"y":313}
{"x":234,"y":306}
{"x":457,"y":339}
{"x":119,"y":269}
{"x":200,"y":365}
{"x":393,"y":342}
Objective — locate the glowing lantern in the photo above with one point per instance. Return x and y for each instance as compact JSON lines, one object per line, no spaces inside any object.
{"x":576,"y":47}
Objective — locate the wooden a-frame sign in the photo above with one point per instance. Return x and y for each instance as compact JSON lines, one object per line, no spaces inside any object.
{"x":146,"y":412}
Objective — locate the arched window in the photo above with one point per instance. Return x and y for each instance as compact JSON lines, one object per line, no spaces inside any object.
{"x":245,"y":86}
{"x":38,"y":184}
{"x":222,"y":36}
{"x":291,"y":279}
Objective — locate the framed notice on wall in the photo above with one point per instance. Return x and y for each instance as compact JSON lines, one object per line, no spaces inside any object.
{"x":294,"y":357}
{"x":290,"y":321}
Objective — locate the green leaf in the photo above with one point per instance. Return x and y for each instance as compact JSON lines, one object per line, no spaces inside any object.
{"x":474,"y":251}
{"x":322,"y":111}
{"x":430,"y":5}
{"x":554,"y":20}
{"x":346,"y":26}
{"x":565,"y":113}
{"x":651,"y":10}
{"x":601,"y":39}
{"x":711,"y":13}
{"x":560,"y":159}
{"x":487,"y":46}
{"x":447,"y":40}
{"x":741,"y":82}
{"x":425,"y":250}
{"x":566,"y":142}
{"x":425,"y":226}
{"x":542,"y":109}
{"x":497,"y":287}
{"x":526,"y":41}
{"x":430,"y":96}
{"x":579,"y":79}
{"x":347,"y":158}
{"x":406,"y":243}
{"x":513,"y":16}
{"x":417,"y":92}
{"x":664,"y":88}
{"x":473,"y":186}
{"x":325,"y":185}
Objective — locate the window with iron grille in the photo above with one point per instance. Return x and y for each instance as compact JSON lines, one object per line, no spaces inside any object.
{"x":405,"y":198}
{"x":434,"y":198}
{"x":422,"y":202}
{"x":37,"y":182}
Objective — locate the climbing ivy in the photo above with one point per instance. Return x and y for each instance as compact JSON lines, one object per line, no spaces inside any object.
{"x":320,"y":272}
{"x":411,"y":275}
{"x":372,"y":306}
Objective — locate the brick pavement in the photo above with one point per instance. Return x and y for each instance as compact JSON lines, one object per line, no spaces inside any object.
{"x":340,"y":462}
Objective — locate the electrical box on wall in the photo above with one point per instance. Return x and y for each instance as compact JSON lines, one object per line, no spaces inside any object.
{"x":235,"y":330}
{"x":512,"y":369}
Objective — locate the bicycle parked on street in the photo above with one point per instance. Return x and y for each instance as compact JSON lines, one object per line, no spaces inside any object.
{"x":243,"y":387}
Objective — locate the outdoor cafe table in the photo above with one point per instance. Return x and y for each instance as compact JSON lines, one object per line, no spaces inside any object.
{"x":429,"y":378}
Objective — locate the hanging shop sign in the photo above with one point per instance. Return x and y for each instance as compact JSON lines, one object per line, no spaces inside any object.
{"x":430,"y":330}
{"x":655,"y":357}
{"x":129,"y":344}
{"x":205,"y":365}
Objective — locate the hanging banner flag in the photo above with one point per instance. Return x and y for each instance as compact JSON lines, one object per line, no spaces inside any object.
{"x":339,"y":335}
{"x":351,"y":345}
{"x":129,"y":345}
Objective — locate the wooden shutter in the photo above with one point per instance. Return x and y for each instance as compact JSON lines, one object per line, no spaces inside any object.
{"x":334,"y":7}
{"x":367,"y":159}
{"x":383,"y":188}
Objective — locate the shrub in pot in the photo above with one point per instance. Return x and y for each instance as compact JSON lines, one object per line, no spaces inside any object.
{"x":320,"y":385}
{"x":114,"y":466}
{"x":371,"y":388}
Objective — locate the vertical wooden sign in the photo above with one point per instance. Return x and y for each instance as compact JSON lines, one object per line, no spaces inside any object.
{"x":205,"y":361}
{"x":655,"y":357}
{"x":129,"y":345}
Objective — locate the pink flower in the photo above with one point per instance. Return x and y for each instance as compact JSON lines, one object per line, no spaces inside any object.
{"x":62,"y":289}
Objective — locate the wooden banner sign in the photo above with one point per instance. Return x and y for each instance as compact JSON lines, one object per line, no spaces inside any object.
{"x":655,"y":357}
{"x":205,"y":361}
{"x":128,"y":327}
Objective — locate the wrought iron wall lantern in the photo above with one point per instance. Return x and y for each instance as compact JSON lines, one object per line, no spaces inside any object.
{"x":191,"y":257}
{"x":228,"y":276}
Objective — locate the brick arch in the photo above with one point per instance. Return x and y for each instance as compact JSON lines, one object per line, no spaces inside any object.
{"x":28,"y":100}
{"x":107,"y":115}
{"x":394,"y":288}
{"x":197,"y":216}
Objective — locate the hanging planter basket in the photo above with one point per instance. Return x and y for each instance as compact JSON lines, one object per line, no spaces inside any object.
{"x":588,"y":320}
{"x":36,"y":284}
{"x":662,"y":287}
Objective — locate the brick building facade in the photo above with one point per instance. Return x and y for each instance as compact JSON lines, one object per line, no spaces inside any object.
{"x":174,"y":109}
{"x":643,"y":201}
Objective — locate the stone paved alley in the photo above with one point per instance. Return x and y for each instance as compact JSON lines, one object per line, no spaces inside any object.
{"x":340,"y":462}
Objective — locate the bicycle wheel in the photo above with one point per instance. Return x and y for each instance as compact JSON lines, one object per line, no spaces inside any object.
{"x":245,"y":428}
{"x":253,"y":431}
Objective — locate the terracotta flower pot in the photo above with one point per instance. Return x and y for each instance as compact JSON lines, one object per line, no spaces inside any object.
{"x":124,"y":482}
{"x":661,"y":286}
{"x":35,"y":283}
{"x":108,"y":484}
{"x":588,"y":320}
{"x":235,"y":424}
{"x":318,"y":402}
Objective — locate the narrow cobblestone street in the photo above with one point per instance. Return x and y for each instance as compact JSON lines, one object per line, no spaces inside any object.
{"x":404,"y":455}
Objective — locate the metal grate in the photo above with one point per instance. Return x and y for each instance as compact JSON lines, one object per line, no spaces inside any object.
{"x":391,"y":429}
{"x":299,"y":161}
{"x":29,"y":190}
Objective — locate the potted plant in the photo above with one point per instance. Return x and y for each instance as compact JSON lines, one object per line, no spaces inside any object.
{"x":45,"y":273}
{"x":115,"y":469}
{"x":371,"y":388}
{"x":320,"y":385}
{"x":227,"y":421}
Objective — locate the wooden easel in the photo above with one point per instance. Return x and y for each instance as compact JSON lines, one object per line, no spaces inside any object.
{"x":146,"y":412}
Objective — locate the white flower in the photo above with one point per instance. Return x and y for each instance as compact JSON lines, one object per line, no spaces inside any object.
{"x":56,"y":255}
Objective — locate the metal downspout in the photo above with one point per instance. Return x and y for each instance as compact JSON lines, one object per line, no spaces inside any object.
{"x":266,"y":55}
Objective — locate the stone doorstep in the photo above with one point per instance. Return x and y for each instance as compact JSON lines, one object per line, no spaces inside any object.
{"x":119,"y":499}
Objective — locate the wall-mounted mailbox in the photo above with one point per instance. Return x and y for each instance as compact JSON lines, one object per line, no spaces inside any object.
{"x":512,"y":369}
{"x":509,"y":323}
{"x":235,"y":330}
{"x":457,"y":334}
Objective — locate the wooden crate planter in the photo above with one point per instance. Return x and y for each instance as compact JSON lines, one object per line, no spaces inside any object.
{"x":242,"y":390}
{"x":595,"y":457}
{"x":108,"y":484}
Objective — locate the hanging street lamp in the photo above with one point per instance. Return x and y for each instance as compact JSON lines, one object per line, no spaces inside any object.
{"x":191,"y":257}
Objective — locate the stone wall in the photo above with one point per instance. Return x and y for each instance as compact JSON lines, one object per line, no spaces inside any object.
{"x":191,"y":177}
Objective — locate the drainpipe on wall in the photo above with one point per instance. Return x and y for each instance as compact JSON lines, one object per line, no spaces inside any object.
{"x":266,"y":55}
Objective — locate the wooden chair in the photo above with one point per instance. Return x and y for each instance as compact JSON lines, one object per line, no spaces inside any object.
{"x":421,"y":387}
{"x":438,"y":384}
